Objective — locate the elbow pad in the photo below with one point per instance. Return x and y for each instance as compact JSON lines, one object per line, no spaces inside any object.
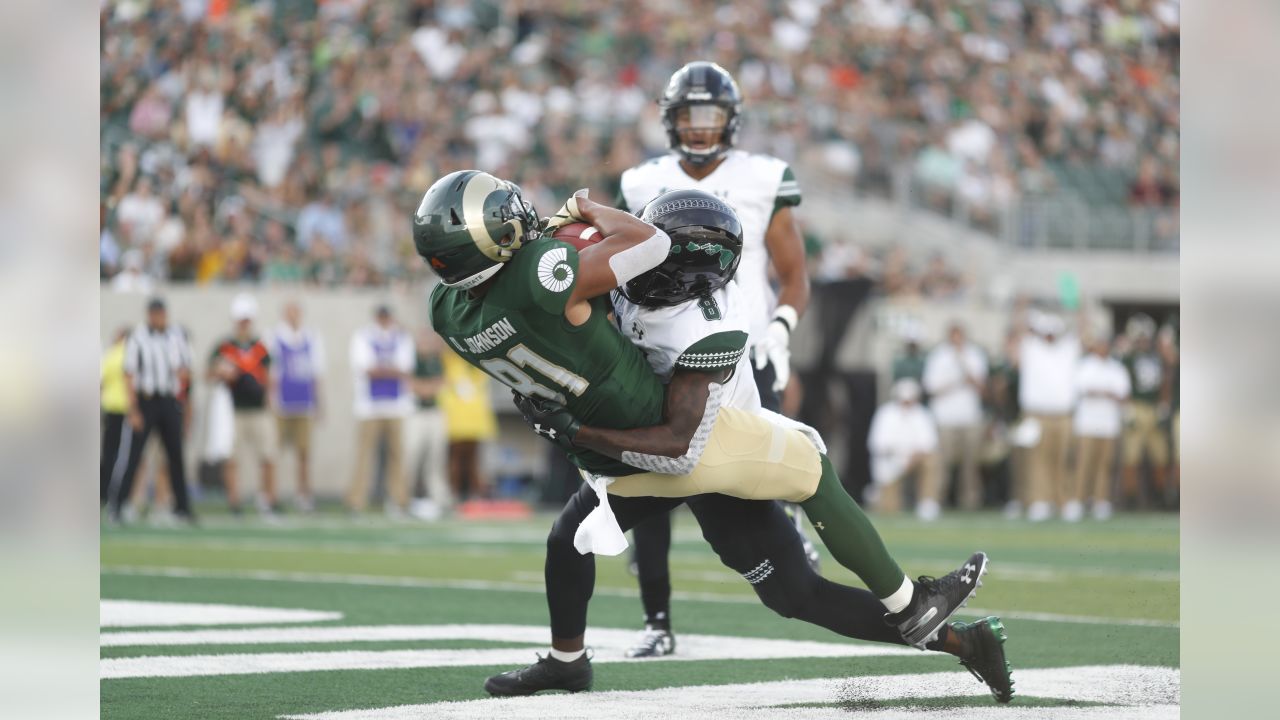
{"x":684,"y":464}
{"x":640,"y":258}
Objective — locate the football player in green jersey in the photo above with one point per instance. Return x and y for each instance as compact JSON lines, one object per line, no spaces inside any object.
{"x":531,"y":312}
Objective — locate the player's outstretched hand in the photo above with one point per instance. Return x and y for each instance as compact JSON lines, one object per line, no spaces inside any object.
{"x":549,"y":419}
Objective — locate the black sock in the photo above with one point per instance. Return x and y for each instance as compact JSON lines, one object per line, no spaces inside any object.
{"x":658,"y":621}
{"x":941,"y":641}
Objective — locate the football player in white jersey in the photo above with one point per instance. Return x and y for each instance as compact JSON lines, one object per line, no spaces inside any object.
{"x":687,"y":318}
{"x":701,"y":110}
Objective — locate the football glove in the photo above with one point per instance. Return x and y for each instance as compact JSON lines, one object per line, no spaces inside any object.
{"x":775,"y":348}
{"x":549,"y":419}
{"x":566,"y":215}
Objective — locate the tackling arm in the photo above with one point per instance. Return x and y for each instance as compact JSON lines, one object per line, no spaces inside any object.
{"x":691,"y":397}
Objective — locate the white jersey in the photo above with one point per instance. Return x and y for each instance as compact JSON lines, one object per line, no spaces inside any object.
{"x":755,"y":186}
{"x":697,"y":335}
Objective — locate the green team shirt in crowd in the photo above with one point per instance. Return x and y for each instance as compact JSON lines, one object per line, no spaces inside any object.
{"x":517,"y":333}
{"x":1146,"y":374}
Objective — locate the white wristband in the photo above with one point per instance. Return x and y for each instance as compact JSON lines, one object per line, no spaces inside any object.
{"x":788,"y":316}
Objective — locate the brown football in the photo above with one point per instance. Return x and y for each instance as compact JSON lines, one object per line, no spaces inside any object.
{"x":579,"y":235}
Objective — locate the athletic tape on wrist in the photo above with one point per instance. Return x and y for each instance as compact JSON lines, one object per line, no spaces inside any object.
{"x":641,"y":257}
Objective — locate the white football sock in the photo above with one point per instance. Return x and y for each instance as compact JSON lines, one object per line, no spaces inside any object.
{"x":901,"y":598}
{"x":567,"y":656}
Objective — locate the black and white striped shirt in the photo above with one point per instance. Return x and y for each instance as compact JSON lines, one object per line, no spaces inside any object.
{"x":153,"y":358}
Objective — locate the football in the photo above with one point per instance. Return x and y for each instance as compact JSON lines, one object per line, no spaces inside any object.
{"x":579,"y":235}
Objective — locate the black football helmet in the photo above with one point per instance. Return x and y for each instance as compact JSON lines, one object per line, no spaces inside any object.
{"x":706,"y":247}
{"x":702,"y":83}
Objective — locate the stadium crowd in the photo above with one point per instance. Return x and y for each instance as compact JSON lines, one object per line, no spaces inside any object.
{"x":287,"y":141}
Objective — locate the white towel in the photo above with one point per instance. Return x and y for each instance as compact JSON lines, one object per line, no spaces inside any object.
{"x":221,"y":429}
{"x":599,"y":532}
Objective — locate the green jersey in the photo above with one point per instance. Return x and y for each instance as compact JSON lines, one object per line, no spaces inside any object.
{"x":517,"y":332}
{"x":1146,"y":375}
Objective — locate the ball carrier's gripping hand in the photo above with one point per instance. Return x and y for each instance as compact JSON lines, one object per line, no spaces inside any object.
{"x":630,"y":246}
{"x":775,"y":348}
{"x":549,"y":419}
{"x":568,"y":213}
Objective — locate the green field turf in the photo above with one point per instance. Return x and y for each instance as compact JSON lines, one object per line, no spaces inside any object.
{"x":1070,"y":595}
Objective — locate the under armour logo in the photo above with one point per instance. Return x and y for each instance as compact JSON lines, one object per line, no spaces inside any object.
{"x":965,"y":577}
{"x":548,"y":432}
{"x":819,"y":525}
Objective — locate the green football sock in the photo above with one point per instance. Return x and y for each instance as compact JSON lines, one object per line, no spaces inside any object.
{"x":849,"y":535}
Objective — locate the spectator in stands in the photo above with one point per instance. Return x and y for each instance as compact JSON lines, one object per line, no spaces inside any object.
{"x":1047,"y":358}
{"x":1102,"y":385}
{"x":469,"y":415}
{"x":954,"y":375}
{"x":242,"y":363}
{"x":382,"y":358}
{"x":426,"y":437}
{"x":903,"y":442}
{"x":1144,"y":436}
{"x":941,"y":89}
{"x":297,"y":369}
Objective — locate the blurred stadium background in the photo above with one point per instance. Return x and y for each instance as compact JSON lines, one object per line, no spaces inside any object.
{"x":979,"y":163}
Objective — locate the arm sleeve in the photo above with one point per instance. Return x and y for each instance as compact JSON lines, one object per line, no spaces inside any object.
{"x":788,"y":190}
{"x":551,"y":276}
{"x":718,"y":351}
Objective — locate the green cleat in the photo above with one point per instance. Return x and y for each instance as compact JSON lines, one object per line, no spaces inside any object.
{"x":982,"y":643}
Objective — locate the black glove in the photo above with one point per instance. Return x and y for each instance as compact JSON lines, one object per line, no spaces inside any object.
{"x":549,"y":419}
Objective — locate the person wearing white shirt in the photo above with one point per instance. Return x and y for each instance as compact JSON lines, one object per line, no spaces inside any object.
{"x":1047,"y":359}
{"x":299,"y":365}
{"x":382,"y":358}
{"x":904,"y":445}
{"x":954,"y":374}
{"x":1103,"y":385}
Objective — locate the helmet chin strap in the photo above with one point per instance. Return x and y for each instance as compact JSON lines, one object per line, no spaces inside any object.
{"x":471,"y":281}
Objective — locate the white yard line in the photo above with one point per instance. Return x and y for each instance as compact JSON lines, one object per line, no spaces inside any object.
{"x":607,"y":644}
{"x":139,"y":613}
{"x":391,"y":581}
{"x":1148,"y":693}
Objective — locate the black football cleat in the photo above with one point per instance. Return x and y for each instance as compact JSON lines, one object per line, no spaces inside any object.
{"x":982,"y":653}
{"x":653,"y":642}
{"x":546,"y":674}
{"x":936,"y":599}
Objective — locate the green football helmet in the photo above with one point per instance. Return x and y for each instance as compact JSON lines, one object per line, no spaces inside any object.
{"x":469,"y":223}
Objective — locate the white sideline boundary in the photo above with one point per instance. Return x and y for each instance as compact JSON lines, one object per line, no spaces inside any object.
{"x":142,"y":613}
{"x":1147,"y":693}
{"x":488,"y":585}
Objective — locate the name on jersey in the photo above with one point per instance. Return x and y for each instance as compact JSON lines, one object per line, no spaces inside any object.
{"x":491,"y":337}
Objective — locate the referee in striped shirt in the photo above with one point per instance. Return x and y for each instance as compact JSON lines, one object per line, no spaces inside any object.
{"x":157,"y":358}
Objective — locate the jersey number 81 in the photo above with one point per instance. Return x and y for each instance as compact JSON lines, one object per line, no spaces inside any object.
{"x":510,"y":373}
